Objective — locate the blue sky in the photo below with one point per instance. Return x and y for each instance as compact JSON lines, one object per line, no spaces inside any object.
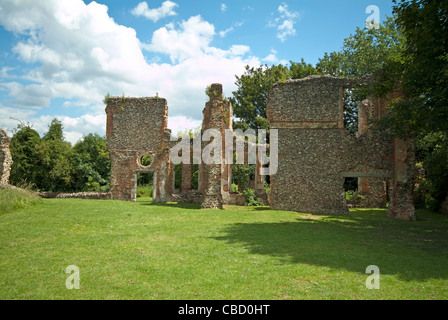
{"x":59,"y":58}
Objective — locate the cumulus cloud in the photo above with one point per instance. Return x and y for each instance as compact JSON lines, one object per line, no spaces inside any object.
{"x":166,"y":10}
{"x":223,"y":7}
{"x":272,"y":58}
{"x":78,"y":53}
{"x":284,"y":22}
{"x":189,"y":40}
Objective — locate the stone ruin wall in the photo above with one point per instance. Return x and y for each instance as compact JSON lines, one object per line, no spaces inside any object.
{"x":316,"y":153}
{"x":5,"y":158}
{"x":315,"y":156}
{"x":137,"y":127}
{"x":215,"y":180}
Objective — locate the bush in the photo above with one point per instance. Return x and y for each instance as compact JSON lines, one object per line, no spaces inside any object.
{"x":13,"y":198}
{"x":251,"y":199}
{"x":144,"y":191}
{"x":432,"y":168}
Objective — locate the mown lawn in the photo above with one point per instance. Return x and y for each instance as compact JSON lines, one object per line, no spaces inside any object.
{"x":171,"y":251}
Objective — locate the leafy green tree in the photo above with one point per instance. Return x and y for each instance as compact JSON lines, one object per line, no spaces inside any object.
{"x":54,"y":131}
{"x":421,"y":73}
{"x":364,"y":52}
{"x":23,"y":151}
{"x":432,"y":153}
{"x":54,"y":169}
{"x":91,"y":164}
{"x":299,"y":70}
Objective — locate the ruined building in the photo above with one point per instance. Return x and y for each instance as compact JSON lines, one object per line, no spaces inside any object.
{"x":137,"y":127}
{"x":315,"y":152}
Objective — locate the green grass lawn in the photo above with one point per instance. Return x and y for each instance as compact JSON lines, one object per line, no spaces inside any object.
{"x":171,"y":251}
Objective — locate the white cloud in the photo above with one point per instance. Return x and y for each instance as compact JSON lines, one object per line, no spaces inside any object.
{"x":73,"y":128}
{"x":180,"y":123}
{"x":166,"y":10}
{"x":78,"y":53}
{"x":190,"y":40}
{"x":284,"y":22}
{"x":272,"y":58}
{"x":11,"y":117}
{"x":33,"y":95}
{"x":239,"y":50}
{"x":223,"y":7}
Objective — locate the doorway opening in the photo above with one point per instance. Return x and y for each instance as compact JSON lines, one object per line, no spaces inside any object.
{"x":145,"y":185}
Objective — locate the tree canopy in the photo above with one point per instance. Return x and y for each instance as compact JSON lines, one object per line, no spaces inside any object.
{"x":52,"y":164}
{"x":420,"y":71}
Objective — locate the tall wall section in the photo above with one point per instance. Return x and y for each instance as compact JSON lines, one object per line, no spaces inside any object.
{"x":137,"y":127}
{"x":316,"y":153}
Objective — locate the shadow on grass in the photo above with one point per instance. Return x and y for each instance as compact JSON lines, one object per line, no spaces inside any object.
{"x":170,"y":204}
{"x":263,"y":208}
{"x":411,"y":250}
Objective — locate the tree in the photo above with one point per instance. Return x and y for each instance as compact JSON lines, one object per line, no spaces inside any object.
{"x":364,"y":52}
{"x":24,"y":155}
{"x":54,"y":131}
{"x":299,"y":70}
{"x":421,"y":73}
{"x":91,"y":164}
{"x":54,"y":170}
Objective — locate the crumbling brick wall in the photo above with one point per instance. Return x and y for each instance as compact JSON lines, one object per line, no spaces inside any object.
{"x":372,"y":190}
{"x":5,"y":158}
{"x":216,"y":116}
{"x":137,"y":127}
{"x":316,"y":153}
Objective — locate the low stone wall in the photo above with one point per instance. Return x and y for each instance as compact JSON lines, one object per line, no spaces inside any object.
{"x":190,"y":197}
{"x":234,"y":199}
{"x":78,"y":195}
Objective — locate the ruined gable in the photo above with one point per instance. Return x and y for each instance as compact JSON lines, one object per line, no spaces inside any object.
{"x":137,"y":127}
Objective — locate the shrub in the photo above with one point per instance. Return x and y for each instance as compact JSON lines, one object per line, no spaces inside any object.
{"x":251,"y":199}
{"x":144,"y":191}
{"x":353,"y":195}
{"x":267,"y":188}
